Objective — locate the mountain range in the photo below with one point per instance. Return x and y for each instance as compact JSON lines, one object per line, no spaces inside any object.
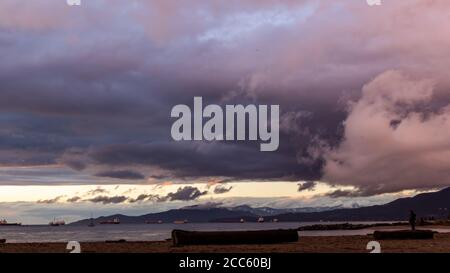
{"x":264,"y":211}
{"x":432,"y":204}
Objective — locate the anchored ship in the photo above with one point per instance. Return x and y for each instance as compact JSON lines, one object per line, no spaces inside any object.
{"x":57,"y":223}
{"x":5,"y":223}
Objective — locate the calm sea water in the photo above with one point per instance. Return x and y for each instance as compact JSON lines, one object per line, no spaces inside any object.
{"x":143,"y":232}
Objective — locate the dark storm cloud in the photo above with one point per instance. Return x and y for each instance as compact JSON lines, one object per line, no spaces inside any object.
{"x":74,"y":158}
{"x":206,"y":159}
{"x":50,"y":201}
{"x":122,"y":92}
{"x":76,"y":165}
{"x":206,"y":205}
{"x":96,"y":191}
{"x":219,"y":189}
{"x":308,"y":185}
{"x":340,"y":193}
{"x":92,"y":88}
{"x":74,"y":199}
{"x":122,"y":174}
{"x":350,"y":193}
{"x":187,"y":193}
{"x":144,"y":197}
{"x":108,"y":199}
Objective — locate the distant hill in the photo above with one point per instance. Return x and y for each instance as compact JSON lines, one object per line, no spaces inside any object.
{"x":262,"y":211}
{"x":192,"y":215}
{"x":268,"y":211}
{"x":434,"y":204}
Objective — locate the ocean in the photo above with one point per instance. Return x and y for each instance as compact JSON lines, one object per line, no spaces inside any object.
{"x":146,"y":232}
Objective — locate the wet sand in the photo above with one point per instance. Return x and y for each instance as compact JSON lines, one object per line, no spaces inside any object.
{"x":317,"y":244}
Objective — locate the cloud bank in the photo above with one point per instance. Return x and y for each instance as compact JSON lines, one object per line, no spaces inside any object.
{"x":91,"y":89}
{"x":393,"y":138}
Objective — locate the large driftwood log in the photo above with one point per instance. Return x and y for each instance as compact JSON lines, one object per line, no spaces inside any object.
{"x":182,"y":237}
{"x":403,"y":234}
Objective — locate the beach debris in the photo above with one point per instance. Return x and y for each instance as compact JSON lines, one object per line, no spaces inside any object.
{"x":116,"y":241}
{"x":404,"y":234}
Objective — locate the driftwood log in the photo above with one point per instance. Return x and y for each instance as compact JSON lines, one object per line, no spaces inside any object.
{"x":182,"y":237}
{"x":116,"y":241}
{"x":403,"y":234}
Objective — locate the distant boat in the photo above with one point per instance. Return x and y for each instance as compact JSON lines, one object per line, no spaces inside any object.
{"x":115,"y":221}
{"x":180,"y":221}
{"x":275,"y":220}
{"x":5,"y":223}
{"x":242,"y":220}
{"x":57,"y":223}
{"x":260,"y":220}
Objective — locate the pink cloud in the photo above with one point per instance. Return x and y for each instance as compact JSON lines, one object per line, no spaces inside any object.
{"x":392,"y":140}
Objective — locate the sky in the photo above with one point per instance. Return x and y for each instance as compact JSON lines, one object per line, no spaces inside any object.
{"x":86,"y":94}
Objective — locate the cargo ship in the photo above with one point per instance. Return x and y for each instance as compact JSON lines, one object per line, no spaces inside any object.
{"x":115,"y":221}
{"x":5,"y":223}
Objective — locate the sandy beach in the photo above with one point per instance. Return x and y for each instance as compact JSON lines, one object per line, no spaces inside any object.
{"x":313,"y":244}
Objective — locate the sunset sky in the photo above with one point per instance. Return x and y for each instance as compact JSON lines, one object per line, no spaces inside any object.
{"x":86,"y":93}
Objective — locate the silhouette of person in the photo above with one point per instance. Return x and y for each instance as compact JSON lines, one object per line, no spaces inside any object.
{"x":412,"y":220}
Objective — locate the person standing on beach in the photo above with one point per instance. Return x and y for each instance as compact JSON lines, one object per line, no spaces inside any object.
{"x":412,"y":220}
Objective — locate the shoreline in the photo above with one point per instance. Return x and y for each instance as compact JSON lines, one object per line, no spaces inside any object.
{"x":319,"y":233}
{"x":306,"y":244}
